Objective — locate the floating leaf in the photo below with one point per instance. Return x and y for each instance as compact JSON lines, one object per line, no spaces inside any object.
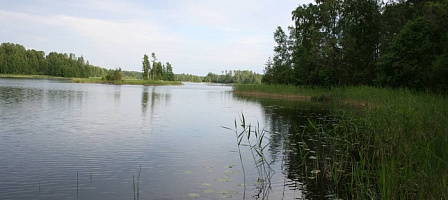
{"x":207,"y":184}
{"x":186,"y":172}
{"x":258,"y":182}
{"x":230,"y":172}
{"x":224,"y":179}
{"x":209,"y":191}
{"x":194,"y":195}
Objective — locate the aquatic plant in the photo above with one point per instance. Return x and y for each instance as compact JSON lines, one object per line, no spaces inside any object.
{"x":136,"y":185}
{"x":253,"y":137}
{"x":393,"y":143}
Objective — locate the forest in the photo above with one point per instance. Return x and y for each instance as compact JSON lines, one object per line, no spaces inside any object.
{"x":15,"y":59}
{"x":398,"y":44}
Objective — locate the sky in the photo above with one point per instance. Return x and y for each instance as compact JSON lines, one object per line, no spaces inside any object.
{"x":195,"y":36}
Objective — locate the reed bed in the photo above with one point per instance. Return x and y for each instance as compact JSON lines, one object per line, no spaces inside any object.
{"x":124,"y":81}
{"x":394,"y":145}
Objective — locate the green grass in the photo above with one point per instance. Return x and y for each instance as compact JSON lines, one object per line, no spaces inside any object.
{"x":403,"y":136}
{"x":31,"y":76}
{"x":124,"y":81}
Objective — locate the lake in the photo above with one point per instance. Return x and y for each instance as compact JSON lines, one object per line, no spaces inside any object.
{"x":61,"y":140}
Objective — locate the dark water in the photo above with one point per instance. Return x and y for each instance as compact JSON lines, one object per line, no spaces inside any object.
{"x":62,"y":140}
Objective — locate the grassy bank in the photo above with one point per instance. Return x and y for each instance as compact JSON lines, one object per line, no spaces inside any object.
{"x":31,"y":76}
{"x":124,"y":81}
{"x":401,"y":138}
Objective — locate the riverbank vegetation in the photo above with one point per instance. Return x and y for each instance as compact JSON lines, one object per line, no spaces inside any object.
{"x":227,"y":77}
{"x":125,"y":81}
{"x":389,"y":44}
{"x":15,"y":59}
{"x":397,"y":149}
{"x":389,"y":61}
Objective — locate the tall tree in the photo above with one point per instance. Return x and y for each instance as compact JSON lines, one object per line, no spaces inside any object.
{"x":146,"y":67}
{"x":154,"y":65}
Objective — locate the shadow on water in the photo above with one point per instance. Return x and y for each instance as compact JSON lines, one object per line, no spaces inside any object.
{"x":311,"y":144}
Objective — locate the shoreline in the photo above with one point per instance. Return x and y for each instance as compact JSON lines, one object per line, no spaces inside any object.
{"x":94,"y":80}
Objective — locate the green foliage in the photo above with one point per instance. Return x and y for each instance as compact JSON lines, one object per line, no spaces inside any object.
{"x":398,"y":147}
{"x":146,"y":67}
{"x":336,"y":42}
{"x":158,"y":70}
{"x":187,"y":78}
{"x":114,"y":76}
{"x":236,"y":76}
{"x":15,"y":59}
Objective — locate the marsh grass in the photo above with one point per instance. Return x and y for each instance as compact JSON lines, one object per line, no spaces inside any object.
{"x":124,"y":81}
{"x":395,"y":142}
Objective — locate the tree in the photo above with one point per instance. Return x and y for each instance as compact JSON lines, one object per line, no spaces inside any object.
{"x":169,"y":72}
{"x":115,"y":75}
{"x":146,"y":67}
{"x":154,"y":68}
{"x":409,"y":62}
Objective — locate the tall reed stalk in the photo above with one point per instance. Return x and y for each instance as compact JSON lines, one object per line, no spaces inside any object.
{"x":253,"y":137}
{"x":398,"y":145}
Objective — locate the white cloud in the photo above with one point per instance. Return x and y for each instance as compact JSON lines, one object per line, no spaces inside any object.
{"x":195,"y":36}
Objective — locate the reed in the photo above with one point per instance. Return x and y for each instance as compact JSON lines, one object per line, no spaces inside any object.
{"x":395,"y":139}
{"x":136,"y":185}
{"x":253,"y":137}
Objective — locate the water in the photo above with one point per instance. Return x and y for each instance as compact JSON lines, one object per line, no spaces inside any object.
{"x":61,"y":140}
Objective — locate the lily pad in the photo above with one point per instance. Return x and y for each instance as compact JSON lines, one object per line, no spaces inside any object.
{"x":258,"y":182}
{"x":224,"y":179}
{"x":209,"y":191}
{"x":230,"y":172}
{"x":194,"y":195}
{"x":207,"y":184}
{"x":228,"y":192}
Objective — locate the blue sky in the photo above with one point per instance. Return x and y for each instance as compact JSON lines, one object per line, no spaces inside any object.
{"x":195,"y":36}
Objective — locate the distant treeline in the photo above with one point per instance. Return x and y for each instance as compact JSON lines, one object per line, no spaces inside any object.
{"x":392,"y":44}
{"x":235,"y":76}
{"x":187,"y":78}
{"x":15,"y":59}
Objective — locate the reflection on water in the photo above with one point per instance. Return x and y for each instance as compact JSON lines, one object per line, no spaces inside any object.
{"x":86,"y":141}
{"x":157,"y":98}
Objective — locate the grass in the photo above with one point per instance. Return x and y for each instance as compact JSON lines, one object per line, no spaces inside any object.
{"x":31,"y":76}
{"x":401,"y":139}
{"x":98,"y":80}
{"x":124,"y":81}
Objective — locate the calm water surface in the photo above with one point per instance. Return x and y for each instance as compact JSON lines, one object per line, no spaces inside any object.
{"x":62,"y":140}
